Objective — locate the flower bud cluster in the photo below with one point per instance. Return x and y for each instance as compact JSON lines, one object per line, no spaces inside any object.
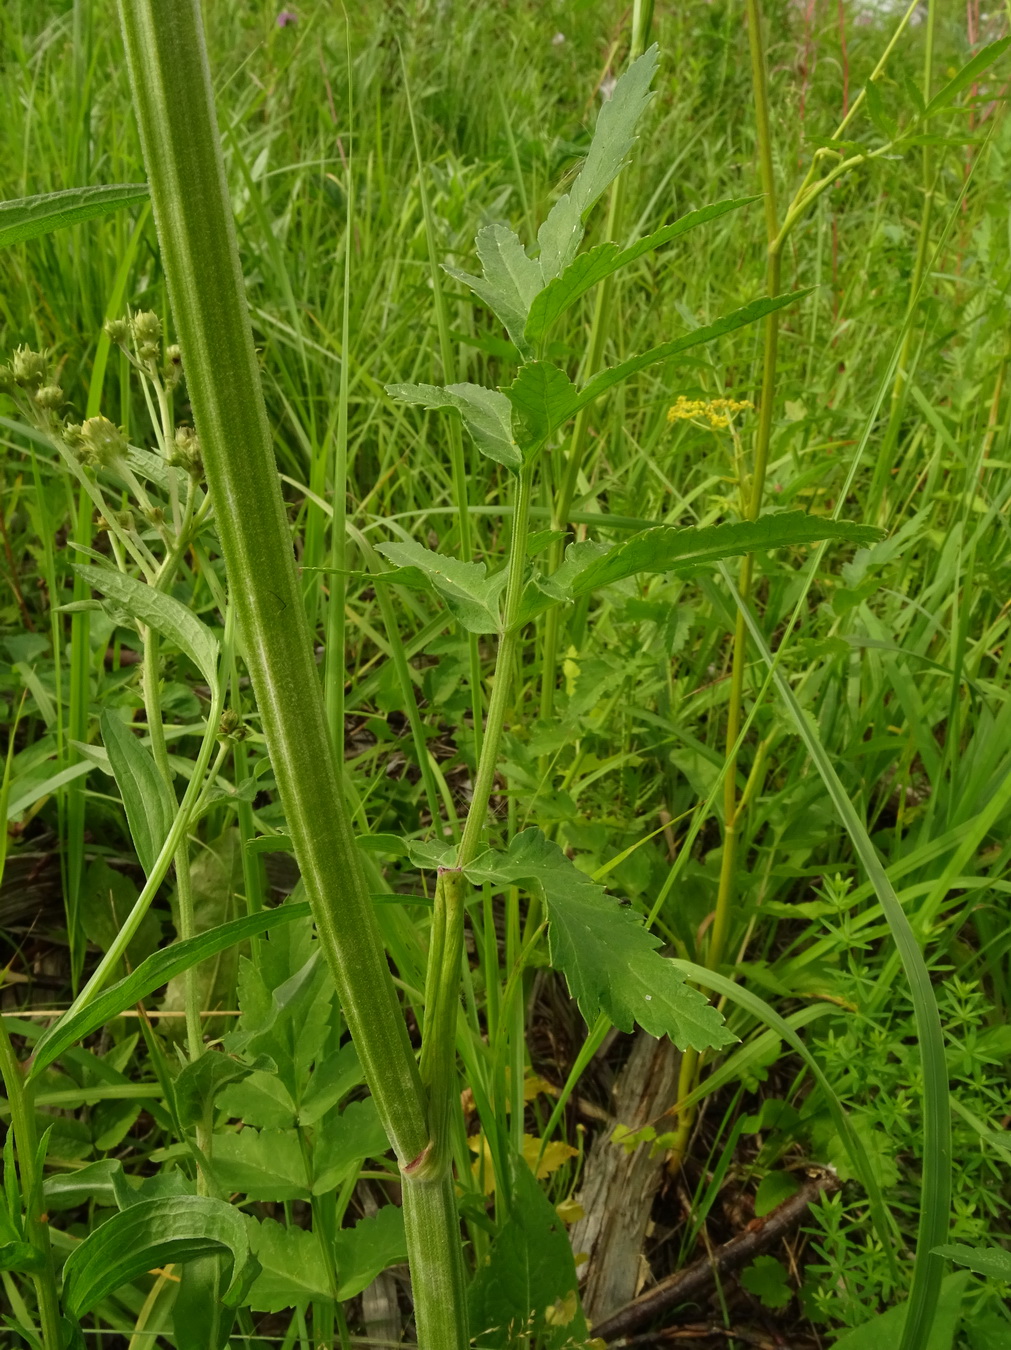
{"x":145,"y":329}
{"x":97,"y":442}
{"x":185,"y":453}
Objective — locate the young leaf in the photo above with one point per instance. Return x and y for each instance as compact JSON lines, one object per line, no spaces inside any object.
{"x":992,"y":1261}
{"x":591,"y":267}
{"x":608,"y":956}
{"x":159,"y":611}
{"x":150,"y":807}
{"x":28,"y":217}
{"x":542,"y":395}
{"x":613,"y":138}
{"x":151,"y":974}
{"x":471,"y":595}
{"x":510,"y":281}
{"x":766,"y":1279}
{"x":968,"y":75}
{"x":486,"y":413}
{"x":154,"y":1233}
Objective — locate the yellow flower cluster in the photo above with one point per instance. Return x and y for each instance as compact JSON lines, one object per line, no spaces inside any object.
{"x":716,"y":411}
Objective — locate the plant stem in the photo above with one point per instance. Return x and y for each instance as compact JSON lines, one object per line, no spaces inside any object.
{"x":173,"y":99}
{"x":26,"y":1144}
{"x":753,"y":504}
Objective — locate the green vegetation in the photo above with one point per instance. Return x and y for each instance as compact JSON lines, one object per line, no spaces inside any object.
{"x":653,"y":553}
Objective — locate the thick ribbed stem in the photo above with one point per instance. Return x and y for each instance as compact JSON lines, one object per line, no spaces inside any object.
{"x":173,"y":99}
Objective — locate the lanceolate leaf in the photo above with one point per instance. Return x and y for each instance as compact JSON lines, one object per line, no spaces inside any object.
{"x":613,"y":138}
{"x":28,"y":217}
{"x":149,"y":804}
{"x":159,"y":611}
{"x":992,"y":1261}
{"x":608,"y":956}
{"x":593,"y":266}
{"x":968,"y":75}
{"x":154,"y":1233}
{"x":667,"y":548}
{"x":486,"y":413}
{"x":469,"y":592}
{"x":151,"y":974}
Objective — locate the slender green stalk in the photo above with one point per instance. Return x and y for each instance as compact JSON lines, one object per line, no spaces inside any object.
{"x":172,"y":93}
{"x":26,"y":1146}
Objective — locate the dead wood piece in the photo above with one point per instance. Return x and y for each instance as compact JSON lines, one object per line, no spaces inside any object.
{"x":694,"y":1279}
{"x":618,"y":1187}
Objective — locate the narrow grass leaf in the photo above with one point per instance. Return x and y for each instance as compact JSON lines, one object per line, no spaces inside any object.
{"x":28,"y":217}
{"x":486,"y":413}
{"x":156,"y":1233}
{"x":935,"y":1200}
{"x":150,"y":806}
{"x":608,"y":956}
{"x":151,"y":974}
{"x":593,"y":266}
{"x":159,"y":611}
{"x":471,"y":595}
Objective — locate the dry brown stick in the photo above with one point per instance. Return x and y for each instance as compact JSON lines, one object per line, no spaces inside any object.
{"x":685,"y":1284}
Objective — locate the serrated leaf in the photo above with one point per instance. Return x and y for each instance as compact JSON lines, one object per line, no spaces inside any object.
{"x":879,"y":114}
{"x":528,"y":1283}
{"x":471,"y":595}
{"x":151,"y":974}
{"x":150,"y":806}
{"x":28,"y":217}
{"x":155,"y":1233}
{"x":260,"y":1164}
{"x":542,"y":394}
{"x":261,"y":1100}
{"x":510,"y":281}
{"x":992,"y":1261}
{"x":293,"y":1271}
{"x":330,"y":1083}
{"x":159,"y":611}
{"x":608,"y":956}
{"x":613,"y":138}
{"x":766,"y":1279}
{"x":199,"y":1082}
{"x":968,"y":75}
{"x":486,"y":413}
{"x":593,"y":266}
{"x":347,"y":1139}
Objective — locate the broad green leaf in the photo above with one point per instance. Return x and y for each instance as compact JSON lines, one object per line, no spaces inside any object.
{"x":200,"y":1318}
{"x":542,"y":394}
{"x":28,"y":217}
{"x":486,"y":413}
{"x":151,"y":974}
{"x":21,"y":1257}
{"x":886,"y":1329}
{"x":155,"y":1233}
{"x":613,"y":138}
{"x":992,"y":1261}
{"x":608,"y":956}
{"x":107,"y":898}
{"x":150,"y":806}
{"x":261,"y":1100}
{"x":470,"y":594}
{"x":344,"y":1142}
{"x":766,"y":1279}
{"x":293,"y":1271}
{"x":159,"y":611}
{"x":106,"y":1183}
{"x":510,"y":281}
{"x":968,"y":75}
{"x":260,"y":1164}
{"x":593,"y":266}
{"x":528,"y":1280}
{"x":773,"y":1190}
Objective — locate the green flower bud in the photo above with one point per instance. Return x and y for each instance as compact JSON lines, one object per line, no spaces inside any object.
{"x":155,"y":515}
{"x":101,"y":442}
{"x":29,"y":368}
{"x":230,"y":726}
{"x":49,"y":396}
{"x":186,"y":452}
{"x":124,"y":519}
{"x":117,"y":330}
{"x":146,"y":330}
{"x":173,"y":371}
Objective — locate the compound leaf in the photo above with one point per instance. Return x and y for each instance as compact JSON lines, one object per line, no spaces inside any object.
{"x":608,"y":956}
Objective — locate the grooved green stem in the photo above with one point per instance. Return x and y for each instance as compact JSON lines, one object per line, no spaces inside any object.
{"x":173,"y":99}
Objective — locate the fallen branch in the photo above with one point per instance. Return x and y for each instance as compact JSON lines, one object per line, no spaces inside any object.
{"x":686,"y":1284}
